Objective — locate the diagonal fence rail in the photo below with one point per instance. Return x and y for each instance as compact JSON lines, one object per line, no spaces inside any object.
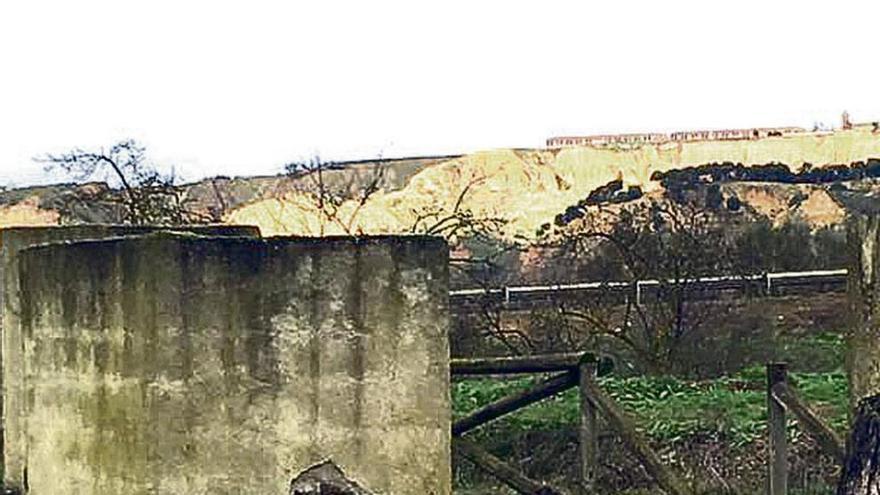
{"x":782,"y":398}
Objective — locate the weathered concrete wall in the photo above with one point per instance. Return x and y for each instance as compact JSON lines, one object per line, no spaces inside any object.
{"x":12,"y":241}
{"x":232,"y":365}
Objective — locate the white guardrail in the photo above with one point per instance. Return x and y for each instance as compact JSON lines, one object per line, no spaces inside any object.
{"x":804,"y":278}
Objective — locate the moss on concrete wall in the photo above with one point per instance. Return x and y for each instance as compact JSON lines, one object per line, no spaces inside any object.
{"x":169,"y":364}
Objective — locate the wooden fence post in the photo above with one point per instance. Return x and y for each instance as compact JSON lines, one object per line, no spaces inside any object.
{"x":589,"y":434}
{"x":777,"y":476}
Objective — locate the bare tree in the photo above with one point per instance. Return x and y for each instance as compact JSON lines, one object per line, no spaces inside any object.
{"x":460,"y":222}
{"x":328,"y":189}
{"x":143,"y":194}
{"x":670,"y":243}
{"x":339,"y":194}
{"x":460,"y":225}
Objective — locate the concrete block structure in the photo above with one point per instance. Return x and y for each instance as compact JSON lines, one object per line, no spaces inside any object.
{"x":193,"y":365}
{"x":12,"y":241}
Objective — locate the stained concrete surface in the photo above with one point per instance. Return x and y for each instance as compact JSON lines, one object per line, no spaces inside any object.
{"x":233,"y":364}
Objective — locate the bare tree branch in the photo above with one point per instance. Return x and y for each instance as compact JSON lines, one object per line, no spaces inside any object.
{"x":145,"y":195}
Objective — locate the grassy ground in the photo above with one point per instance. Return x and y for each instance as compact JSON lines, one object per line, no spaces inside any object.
{"x":667,"y":409}
{"x":719,"y":423}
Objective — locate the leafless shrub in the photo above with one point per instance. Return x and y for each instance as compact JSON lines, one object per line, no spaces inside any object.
{"x":328,"y":190}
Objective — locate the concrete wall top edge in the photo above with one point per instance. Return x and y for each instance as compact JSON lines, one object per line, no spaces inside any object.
{"x":430,"y":243}
{"x":131,"y":228}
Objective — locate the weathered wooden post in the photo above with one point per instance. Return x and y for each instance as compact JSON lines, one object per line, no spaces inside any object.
{"x":777,"y":476}
{"x":861,"y":470}
{"x":589,"y":435}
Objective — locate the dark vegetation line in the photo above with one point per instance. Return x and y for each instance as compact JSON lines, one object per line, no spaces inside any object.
{"x":771,"y":172}
{"x":678,"y":181}
{"x":610,"y":193}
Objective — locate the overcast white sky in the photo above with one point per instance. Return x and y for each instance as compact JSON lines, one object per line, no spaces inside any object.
{"x":240,"y":88}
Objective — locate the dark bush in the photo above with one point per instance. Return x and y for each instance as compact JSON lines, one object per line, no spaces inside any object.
{"x":733,"y":203}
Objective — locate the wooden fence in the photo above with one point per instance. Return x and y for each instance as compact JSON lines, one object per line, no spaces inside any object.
{"x":579,"y":370}
{"x":571,"y":370}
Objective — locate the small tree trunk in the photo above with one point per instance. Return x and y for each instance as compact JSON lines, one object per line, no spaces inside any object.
{"x":863,"y":287}
{"x":861,"y":471}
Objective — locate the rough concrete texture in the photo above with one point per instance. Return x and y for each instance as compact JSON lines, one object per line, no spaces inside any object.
{"x":12,"y":241}
{"x":233,"y":365}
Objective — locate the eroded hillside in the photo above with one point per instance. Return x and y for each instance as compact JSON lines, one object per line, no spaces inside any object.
{"x":523,"y":188}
